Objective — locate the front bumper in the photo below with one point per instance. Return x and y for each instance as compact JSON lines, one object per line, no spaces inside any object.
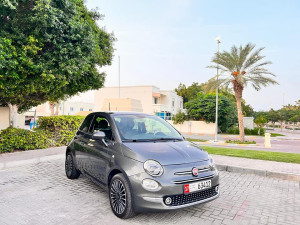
{"x":147,"y":201}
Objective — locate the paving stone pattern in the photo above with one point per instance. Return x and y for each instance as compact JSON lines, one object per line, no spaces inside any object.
{"x":41,"y":194}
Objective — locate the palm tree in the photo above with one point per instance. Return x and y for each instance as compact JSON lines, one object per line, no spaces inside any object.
{"x":240,"y":67}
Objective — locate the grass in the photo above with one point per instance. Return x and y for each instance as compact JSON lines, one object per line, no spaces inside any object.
{"x":196,"y":140}
{"x":240,"y":142}
{"x":276,"y":135}
{"x":254,"y":154}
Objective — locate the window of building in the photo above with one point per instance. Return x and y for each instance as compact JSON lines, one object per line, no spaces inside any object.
{"x":155,"y":100}
{"x":173,"y":102}
{"x":81,"y":109}
{"x":90,"y":110}
{"x":71,"y":109}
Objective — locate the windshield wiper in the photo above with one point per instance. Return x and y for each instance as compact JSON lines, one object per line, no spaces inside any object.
{"x":136,"y":140}
{"x":168,"y":139}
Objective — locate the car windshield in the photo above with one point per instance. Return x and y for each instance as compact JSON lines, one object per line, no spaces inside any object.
{"x":145,"y":128}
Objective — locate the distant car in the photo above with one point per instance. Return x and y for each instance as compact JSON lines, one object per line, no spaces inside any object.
{"x":142,"y":161}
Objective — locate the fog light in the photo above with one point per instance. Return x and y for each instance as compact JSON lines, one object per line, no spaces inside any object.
{"x":217,"y":189}
{"x":168,"y":201}
{"x":150,"y":185}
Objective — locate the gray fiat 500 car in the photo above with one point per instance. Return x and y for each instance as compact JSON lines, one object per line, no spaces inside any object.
{"x":142,"y":161}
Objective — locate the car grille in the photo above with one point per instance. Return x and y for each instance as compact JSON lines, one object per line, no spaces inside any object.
{"x":192,"y":197}
{"x":192,"y":180}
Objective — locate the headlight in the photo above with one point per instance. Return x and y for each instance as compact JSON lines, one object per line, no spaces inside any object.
{"x":211,"y":163}
{"x":153,"y":168}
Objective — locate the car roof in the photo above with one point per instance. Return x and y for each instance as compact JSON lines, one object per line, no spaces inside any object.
{"x":122,"y":113}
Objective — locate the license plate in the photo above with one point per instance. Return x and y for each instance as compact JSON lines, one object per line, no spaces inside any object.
{"x":198,"y":186}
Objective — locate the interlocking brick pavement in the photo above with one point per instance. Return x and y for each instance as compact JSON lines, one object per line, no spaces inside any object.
{"x":40,"y":193}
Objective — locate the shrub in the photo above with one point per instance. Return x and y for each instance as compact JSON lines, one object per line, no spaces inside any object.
{"x":235,"y":130}
{"x":62,"y":128}
{"x":19,"y":139}
{"x":240,"y":142}
{"x":179,"y":117}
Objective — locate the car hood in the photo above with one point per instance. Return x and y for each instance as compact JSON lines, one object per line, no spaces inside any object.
{"x":165,"y":152}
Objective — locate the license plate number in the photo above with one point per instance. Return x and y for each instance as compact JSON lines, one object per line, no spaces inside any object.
{"x":198,"y":186}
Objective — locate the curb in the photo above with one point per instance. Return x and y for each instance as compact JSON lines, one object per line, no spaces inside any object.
{"x":264,"y":173}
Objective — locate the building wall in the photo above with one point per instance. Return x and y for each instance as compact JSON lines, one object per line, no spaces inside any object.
{"x":122,"y":104}
{"x":145,"y":94}
{"x":168,"y":98}
{"x":195,"y":127}
{"x":71,"y":108}
{"x":141,"y":93}
{"x":64,"y":108}
{"x":4,"y":119}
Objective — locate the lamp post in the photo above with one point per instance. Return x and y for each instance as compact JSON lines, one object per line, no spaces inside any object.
{"x":218,"y":39}
{"x":119,"y":78}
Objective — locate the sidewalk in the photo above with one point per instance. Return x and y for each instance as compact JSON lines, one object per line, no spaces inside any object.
{"x":287,"y":171}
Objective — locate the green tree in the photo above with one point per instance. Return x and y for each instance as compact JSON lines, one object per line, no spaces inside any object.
{"x":49,"y":50}
{"x":295,"y":119}
{"x":273,"y":116}
{"x":203,"y":108}
{"x":260,"y":122}
{"x":189,"y":93}
{"x":240,"y":67}
{"x":283,"y":116}
{"x":179,"y":117}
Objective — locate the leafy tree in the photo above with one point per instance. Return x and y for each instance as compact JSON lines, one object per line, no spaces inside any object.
{"x":240,"y":67}
{"x":295,"y":119}
{"x":283,"y":116}
{"x":260,"y":122}
{"x":189,"y":93}
{"x":179,"y":117}
{"x":247,"y":109}
{"x":273,"y":116}
{"x":49,"y":50}
{"x":203,"y":108}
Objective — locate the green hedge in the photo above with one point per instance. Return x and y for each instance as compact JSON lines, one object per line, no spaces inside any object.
{"x":235,"y":130}
{"x":62,"y":128}
{"x":19,"y":139}
{"x":51,"y":131}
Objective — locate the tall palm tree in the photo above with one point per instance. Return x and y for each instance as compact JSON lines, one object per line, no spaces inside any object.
{"x":238,"y":68}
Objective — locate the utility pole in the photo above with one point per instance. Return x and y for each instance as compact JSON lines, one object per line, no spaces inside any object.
{"x":217,"y":93}
{"x":119,"y":78}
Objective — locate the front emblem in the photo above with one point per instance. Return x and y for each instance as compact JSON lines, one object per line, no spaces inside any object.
{"x":195,"y":172}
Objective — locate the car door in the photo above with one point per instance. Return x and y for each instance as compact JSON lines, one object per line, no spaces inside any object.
{"x":80,"y":143}
{"x":98,"y":149}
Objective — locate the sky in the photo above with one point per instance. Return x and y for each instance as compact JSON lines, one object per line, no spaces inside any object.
{"x":165,"y":42}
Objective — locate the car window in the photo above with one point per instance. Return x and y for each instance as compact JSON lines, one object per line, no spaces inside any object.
{"x":86,"y":123}
{"x":100,"y":123}
{"x":144,"y":127}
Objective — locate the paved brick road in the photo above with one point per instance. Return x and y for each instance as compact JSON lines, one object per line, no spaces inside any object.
{"x":41,"y":194}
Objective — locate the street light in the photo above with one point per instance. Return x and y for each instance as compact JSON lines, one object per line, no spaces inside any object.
{"x":218,"y":39}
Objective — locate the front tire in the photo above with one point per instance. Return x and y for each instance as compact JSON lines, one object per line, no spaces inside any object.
{"x":70,"y":167}
{"x":120,"y":197}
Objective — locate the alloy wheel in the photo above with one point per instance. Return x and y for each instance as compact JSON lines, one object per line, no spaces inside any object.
{"x":118,"y":196}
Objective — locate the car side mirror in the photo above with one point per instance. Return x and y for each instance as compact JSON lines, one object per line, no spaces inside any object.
{"x":99,"y":135}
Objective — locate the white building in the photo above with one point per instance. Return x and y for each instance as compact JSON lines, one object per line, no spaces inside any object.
{"x":148,"y":99}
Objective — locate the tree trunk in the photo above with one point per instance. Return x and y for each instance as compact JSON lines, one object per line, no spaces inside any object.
{"x":13,"y":115}
{"x":56,"y":111}
{"x":240,"y":118}
{"x":238,"y":92}
{"x":52,"y":105}
{"x":293,"y":127}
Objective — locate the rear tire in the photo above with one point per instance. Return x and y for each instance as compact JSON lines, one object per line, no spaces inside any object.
{"x":70,"y":167}
{"x":120,"y":197}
